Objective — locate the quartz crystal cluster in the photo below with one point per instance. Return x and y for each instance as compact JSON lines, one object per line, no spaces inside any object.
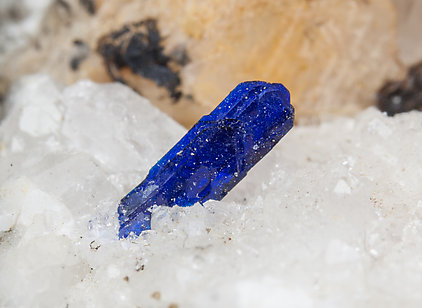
{"x":214,"y":155}
{"x":331,"y":217}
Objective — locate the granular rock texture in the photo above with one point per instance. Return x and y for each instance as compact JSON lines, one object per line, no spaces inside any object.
{"x":333,"y":55}
{"x":332,"y":217}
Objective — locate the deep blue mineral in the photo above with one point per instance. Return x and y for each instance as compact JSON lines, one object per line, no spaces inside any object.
{"x":214,"y":155}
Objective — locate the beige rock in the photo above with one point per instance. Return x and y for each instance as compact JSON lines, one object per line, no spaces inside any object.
{"x":409,"y":25}
{"x":333,"y":55}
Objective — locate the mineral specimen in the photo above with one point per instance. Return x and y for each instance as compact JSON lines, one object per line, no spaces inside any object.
{"x":214,"y":155}
{"x":139,"y":47}
{"x":402,"y":96}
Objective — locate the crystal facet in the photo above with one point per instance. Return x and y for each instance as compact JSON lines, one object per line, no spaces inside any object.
{"x":214,"y":155}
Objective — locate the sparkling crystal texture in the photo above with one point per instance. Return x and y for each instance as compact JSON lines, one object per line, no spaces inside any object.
{"x":214,"y":155}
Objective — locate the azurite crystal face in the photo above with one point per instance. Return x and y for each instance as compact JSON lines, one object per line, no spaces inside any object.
{"x":214,"y":155}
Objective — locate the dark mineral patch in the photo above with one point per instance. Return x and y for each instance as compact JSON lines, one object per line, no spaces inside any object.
{"x":4,"y":85}
{"x":89,"y":5}
{"x":402,"y":96}
{"x":180,"y":55}
{"x":138,"y":46}
{"x":81,"y":52}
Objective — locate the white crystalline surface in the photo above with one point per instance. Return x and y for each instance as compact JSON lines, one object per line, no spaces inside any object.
{"x":330,"y":218}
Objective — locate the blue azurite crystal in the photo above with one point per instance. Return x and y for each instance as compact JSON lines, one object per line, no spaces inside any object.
{"x":214,"y":155}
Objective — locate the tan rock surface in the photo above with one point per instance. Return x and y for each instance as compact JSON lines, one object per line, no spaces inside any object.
{"x":409,"y":24}
{"x":332,"y":55}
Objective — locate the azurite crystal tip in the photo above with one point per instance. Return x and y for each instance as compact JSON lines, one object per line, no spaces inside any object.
{"x":214,"y":155}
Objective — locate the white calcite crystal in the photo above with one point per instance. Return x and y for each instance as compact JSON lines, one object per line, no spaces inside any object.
{"x":332,"y":217}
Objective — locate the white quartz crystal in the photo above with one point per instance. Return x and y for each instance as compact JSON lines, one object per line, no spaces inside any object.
{"x":332,"y":217}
